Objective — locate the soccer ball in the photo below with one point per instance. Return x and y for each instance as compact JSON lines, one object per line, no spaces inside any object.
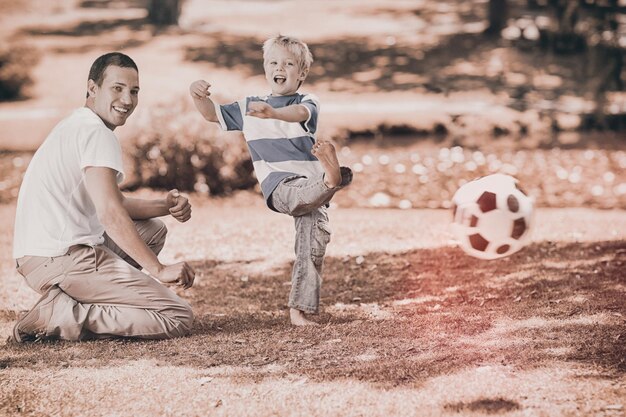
{"x":492,"y":217}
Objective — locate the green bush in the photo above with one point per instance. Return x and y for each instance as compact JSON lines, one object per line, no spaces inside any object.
{"x":173,"y":147}
{"x":15,"y":65}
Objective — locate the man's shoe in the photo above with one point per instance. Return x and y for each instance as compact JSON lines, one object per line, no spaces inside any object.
{"x":20,"y":336}
{"x":32,"y":326}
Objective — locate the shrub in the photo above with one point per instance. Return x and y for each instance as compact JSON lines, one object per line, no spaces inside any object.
{"x":173,"y":147}
{"x":15,"y":65}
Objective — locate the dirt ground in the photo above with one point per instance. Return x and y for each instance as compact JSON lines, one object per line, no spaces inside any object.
{"x":410,"y":325}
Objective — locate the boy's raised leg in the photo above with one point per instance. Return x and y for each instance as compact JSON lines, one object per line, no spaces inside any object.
{"x":325,"y":152}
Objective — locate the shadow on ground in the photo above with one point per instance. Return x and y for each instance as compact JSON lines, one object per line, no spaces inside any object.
{"x":394,"y":319}
{"x":462,"y":62}
{"x":365,"y":64}
{"x":354,"y":62}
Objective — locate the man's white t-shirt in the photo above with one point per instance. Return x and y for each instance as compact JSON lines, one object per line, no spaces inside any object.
{"x":54,"y":210}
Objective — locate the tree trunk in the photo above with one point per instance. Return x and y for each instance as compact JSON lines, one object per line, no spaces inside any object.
{"x":497,"y":14}
{"x":164,"y":12}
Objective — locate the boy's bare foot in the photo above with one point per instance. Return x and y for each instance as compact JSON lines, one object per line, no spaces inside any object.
{"x":298,"y":319}
{"x":325,"y":152}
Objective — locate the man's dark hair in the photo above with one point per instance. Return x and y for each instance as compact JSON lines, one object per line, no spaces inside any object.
{"x":118,"y":59}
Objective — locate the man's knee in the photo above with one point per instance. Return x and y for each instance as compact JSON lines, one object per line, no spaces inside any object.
{"x":160,"y":230}
{"x":187,"y":319}
{"x":183,"y":320}
{"x":154,"y":233}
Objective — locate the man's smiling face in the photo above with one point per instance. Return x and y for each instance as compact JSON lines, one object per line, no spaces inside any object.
{"x":117,"y":97}
{"x":282,"y":71}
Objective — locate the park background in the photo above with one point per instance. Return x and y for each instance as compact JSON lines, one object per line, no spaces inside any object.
{"x":419,"y":97}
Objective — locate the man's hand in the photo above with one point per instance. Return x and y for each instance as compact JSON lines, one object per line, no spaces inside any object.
{"x":180,"y":273}
{"x":199,"y":89}
{"x":261,"y":110}
{"x":179,"y":206}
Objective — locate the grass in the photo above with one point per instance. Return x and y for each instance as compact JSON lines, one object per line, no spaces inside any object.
{"x":416,"y":327}
{"x":407,"y":332}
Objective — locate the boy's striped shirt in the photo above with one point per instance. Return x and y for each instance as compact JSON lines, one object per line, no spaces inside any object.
{"x":278,"y":149}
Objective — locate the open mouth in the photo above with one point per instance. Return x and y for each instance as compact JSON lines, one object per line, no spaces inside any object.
{"x":121,"y":110}
{"x":279,"y":79}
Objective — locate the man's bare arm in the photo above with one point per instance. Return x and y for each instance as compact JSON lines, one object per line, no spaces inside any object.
{"x":174,"y":203}
{"x":117,"y":223}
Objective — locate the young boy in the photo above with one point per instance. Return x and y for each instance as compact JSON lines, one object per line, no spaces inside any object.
{"x":298,"y":175}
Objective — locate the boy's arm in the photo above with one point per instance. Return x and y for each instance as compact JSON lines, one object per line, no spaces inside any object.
{"x":200,"y":93}
{"x":294,"y":113}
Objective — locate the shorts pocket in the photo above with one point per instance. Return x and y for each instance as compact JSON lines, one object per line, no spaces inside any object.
{"x":320,"y":239}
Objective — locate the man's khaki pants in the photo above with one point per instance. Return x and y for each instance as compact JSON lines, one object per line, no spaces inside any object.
{"x":94,"y":292}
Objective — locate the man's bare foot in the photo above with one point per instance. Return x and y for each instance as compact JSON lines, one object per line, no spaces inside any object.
{"x":325,"y":152}
{"x":298,"y":319}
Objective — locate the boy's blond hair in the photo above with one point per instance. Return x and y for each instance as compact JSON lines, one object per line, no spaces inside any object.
{"x":293,"y":45}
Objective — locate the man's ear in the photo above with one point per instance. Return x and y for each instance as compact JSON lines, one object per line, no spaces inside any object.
{"x":91,"y":88}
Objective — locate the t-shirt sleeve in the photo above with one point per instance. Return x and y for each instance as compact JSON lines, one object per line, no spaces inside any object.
{"x":312,"y":104}
{"x":229,"y":116}
{"x":102,"y":149}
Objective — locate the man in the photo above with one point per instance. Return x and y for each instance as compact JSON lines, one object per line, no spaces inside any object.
{"x":81,"y":243}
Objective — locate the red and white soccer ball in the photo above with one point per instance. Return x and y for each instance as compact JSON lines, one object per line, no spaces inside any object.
{"x":492,"y":217}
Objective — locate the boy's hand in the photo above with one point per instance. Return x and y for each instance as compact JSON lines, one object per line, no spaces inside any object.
{"x":179,"y":206}
{"x":199,"y":89}
{"x":261,"y":110}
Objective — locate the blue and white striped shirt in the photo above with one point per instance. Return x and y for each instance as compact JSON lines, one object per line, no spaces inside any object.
{"x":278,"y":149}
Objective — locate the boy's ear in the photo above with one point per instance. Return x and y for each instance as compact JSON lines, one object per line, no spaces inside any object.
{"x":303,"y":75}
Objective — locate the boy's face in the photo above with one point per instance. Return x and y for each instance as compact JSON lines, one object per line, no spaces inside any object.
{"x":282,"y":71}
{"x":117,"y":97}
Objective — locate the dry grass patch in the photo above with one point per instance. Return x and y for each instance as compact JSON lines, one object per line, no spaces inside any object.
{"x":459,"y":322}
{"x":423,"y":331}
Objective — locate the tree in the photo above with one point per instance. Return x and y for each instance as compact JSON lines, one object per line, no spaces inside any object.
{"x":592,"y":29}
{"x":497,"y":14}
{"x":164,"y":12}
